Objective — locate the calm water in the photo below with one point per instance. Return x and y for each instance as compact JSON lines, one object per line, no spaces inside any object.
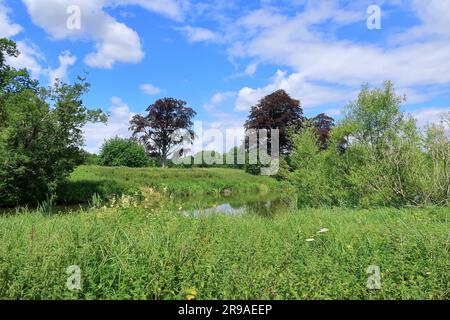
{"x":264,"y":205}
{"x":237,"y":206}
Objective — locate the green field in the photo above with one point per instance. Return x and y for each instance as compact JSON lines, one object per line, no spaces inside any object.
{"x":156,"y":254}
{"x":149,"y":250}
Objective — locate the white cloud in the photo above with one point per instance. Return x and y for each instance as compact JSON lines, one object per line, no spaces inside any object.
{"x":307,"y":44}
{"x":114,"y":41}
{"x":30,"y":58}
{"x":218,"y":99}
{"x":118,"y":124}
{"x":66,"y":59}
{"x":7,"y":27}
{"x":310,"y":94}
{"x":251,"y":69}
{"x":435,"y":16}
{"x":199,"y":34}
{"x":429,"y":115}
{"x":169,"y":8}
{"x":150,"y":89}
{"x":222,"y":96}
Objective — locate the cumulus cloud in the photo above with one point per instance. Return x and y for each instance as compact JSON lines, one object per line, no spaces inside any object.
{"x":427,"y":116}
{"x":30,"y":58}
{"x":118,"y":124}
{"x":311,"y":94}
{"x":435,"y":16}
{"x":290,"y":42}
{"x":66,"y":59}
{"x":327,"y":68}
{"x":114,"y":41}
{"x":199,"y":34}
{"x":217,"y":99}
{"x":150,"y":89}
{"x":169,"y":8}
{"x":251,"y":69}
{"x":7,"y":27}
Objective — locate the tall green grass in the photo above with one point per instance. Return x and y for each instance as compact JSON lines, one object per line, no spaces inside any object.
{"x":156,"y":254}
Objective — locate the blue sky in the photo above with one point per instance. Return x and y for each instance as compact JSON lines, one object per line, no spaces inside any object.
{"x":222,"y":56}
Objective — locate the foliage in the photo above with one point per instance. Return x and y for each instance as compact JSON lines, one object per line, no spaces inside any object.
{"x":118,"y":152}
{"x":135,"y":253}
{"x":277,"y":111}
{"x":308,"y":164}
{"x":40,"y":132}
{"x":202,"y":159}
{"x":386,"y":159}
{"x":167,"y":125}
{"x":437,"y":144}
{"x":323,"y":125}
{"x":87,"y":158}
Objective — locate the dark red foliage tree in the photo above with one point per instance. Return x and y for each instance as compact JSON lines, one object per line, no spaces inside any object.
{"x":277,"y":111}
{"x":323,"y":125}
{"x":158,"y":130}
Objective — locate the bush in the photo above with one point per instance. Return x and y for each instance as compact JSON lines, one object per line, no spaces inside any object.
{"x":386,"y":160}
{"x":119,"y":152}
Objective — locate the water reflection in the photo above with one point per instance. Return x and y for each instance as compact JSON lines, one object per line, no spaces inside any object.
{"x":237,"y":208}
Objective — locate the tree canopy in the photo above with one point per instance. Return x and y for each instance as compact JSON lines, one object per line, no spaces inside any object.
{"x":167,"y":124}
{"x":323,"y":125}
{"x":40,"y":132}
{"x":277,"y":111}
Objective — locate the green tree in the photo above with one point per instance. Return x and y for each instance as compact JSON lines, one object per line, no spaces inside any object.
{"x":167,"y":124}
{"x":119,"y":152}
{"x":376,"y":117}
{"x":386,"y":159}
{"x":40,"y":132}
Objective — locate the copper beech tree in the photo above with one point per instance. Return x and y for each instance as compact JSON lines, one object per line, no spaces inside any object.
{"x":277,"y":111}
{"x":323,"y":125}
{"x":158,"y":130}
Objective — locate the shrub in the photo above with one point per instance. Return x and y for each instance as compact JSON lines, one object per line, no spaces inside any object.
{"x":386,"y":159}
{"x":119,"y":152}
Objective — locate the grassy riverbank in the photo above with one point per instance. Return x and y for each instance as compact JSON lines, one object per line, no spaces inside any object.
{"x":104,"y":181}
{"x":136,"y":253}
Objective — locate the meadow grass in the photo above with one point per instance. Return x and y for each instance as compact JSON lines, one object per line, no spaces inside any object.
{"x":137,"y":253}
{"x":87,"y":181}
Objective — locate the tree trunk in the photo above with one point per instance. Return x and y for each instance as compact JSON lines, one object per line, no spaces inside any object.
{"x":164,"y":161}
